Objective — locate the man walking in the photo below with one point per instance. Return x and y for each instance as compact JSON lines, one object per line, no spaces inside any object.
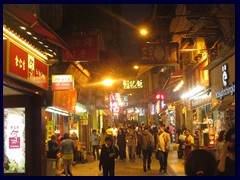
{"x":147,"y":148}
{"x":95,"y":141}
{"x":163,"y":147}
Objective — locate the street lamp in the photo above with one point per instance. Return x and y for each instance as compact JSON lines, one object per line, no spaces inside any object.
{"x":107,"y":82}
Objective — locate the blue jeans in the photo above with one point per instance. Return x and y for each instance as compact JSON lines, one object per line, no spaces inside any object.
{"x":95,"y":148}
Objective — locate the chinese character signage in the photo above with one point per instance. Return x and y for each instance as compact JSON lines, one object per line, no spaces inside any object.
{"x":160,"y":53}
{"x":25,"y":66}
{"x":132,"y":84}
{"x":62,"y":82}
{"x":14,"y":140}
{"x":84,"y":48}
{"x":65,"y":100}
{"x":227,"y":88}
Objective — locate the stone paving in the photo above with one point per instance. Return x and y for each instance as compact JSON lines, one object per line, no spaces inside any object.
{"x":128,"y":168}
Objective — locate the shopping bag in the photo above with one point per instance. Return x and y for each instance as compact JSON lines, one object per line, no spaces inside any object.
{"x":182,"y":137}
{"x":175,"y":146}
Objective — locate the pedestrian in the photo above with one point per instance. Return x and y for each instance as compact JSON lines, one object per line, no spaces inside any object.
{"x":219,"y":145}
{"x":67,"y":150}
{"x":154,"y":132}
{"x":115,"y":132}
{"x":121,"y":142}
{"x":103,"y":135}
{"x":163,"y":147}
{"x":131,"y":138}
{"x":52,"y":147}
{"x":139,"y":142}
{"x":188,"y":143}
{"x":95,"y":141}
{"x":76,"y":144}
{"x":108,"y":154}
{"x":226,"y":165}
{"x":181,"y":138}
{"x":200,"y":162}
{"x":147,"y":142}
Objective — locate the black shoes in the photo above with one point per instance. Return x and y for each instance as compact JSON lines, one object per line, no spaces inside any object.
{"x":164,"y":170}
{"x":149,"y":168}
{"x":144,"y":168}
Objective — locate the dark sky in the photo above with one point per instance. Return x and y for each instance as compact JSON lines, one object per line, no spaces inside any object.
{"x":135,"y":14}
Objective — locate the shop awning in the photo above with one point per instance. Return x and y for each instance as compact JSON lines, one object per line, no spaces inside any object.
{"x":213,"y":109}
{"x":227,"y":104}
{"x":221,"y":106}
{"x":174,"y":79}
{"x":37,"y":25}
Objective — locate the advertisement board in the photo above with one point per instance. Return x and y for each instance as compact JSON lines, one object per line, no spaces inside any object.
{"x":62,"y":82}
{"x":14,"y":140}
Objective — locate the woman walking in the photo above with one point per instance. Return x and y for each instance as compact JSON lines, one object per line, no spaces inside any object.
{"x":67,"y":149}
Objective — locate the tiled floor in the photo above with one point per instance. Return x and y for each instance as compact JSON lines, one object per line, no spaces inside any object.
{"x":127,"y":168}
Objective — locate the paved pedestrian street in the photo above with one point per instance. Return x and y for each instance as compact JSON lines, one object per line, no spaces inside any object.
{"x":128,"y":168}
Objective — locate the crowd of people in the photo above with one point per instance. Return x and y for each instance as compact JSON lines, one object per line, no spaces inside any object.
{"x":145,"y":140}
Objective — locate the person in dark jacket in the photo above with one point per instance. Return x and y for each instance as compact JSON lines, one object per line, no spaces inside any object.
{"x":121,"y":142}
{"x":52,"y":148}
{"x":109,"y":153}
{"x":147,"y":148}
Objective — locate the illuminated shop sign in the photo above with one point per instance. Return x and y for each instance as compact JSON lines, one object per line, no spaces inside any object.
{"x":65,"y":100}
{"x":62,"y":82}
{"x":227,"y":89}
{"x":132,"y":84}
{"x":25,"y":66}
{"x":14,"y":140}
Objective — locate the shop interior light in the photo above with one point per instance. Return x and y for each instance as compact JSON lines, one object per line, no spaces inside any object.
{"x":80,"y":109}
{"x":192,"y":92}
{"x":179,"y":85}
{"x":23,"y":44}
{"x":57,"y":111}
{"x":22,"y":27}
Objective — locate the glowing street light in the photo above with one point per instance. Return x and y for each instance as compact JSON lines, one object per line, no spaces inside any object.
{"x":136,"y":67}
{"x":143,"y":32}
{"x":107,"y":82}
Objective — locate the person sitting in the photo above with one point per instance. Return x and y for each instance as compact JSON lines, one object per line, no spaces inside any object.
{"x":200,"y":162}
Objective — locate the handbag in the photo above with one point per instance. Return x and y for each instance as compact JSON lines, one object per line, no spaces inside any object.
{"x":157,"y":154}
{"x":175,"y":146}
{"x":182,"y":137}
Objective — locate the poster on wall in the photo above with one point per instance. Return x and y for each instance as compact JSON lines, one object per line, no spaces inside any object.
{"x":14,"y":140}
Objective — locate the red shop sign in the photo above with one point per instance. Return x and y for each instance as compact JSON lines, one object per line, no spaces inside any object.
{"x":84,"y":48}
{"x":65,"y":100}
{"x":26,"y":67}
